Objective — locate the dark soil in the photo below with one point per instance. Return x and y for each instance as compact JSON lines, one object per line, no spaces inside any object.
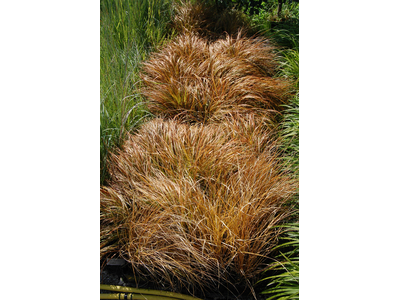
{"x":122,"y":275}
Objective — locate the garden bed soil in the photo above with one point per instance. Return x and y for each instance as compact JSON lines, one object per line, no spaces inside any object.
{"x":120,"y":275}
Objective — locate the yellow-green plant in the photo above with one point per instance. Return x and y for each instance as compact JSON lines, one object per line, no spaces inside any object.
{"x":129,"y":30}
{"x":284,"y":285}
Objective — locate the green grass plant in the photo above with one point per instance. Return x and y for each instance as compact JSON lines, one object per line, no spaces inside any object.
{"x":289,"y":66}
{"x":143,"y":22}
{"x":282,"y":281}
{"x":284,"y":284}
{"x":269,"y":12}
{"x":289,"y":125}
{"x":283,"y":29}
{"x":290,"y":135}
{"x":129,"y":30}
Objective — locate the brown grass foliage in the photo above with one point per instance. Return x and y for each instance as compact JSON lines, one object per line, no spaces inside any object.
{"x":198,"y":81}
{"x":195,"y":204}
{"x":207,"y":20}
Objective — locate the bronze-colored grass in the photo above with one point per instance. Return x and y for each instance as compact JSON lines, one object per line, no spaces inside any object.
{"x":253,"y":56}
{"x":197,"y":81}
{"x":193,"y":205}
{"x":207,"y":20}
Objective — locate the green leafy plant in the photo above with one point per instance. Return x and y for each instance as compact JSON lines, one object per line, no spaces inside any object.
{"x":289,"y":124}
{"x":284,"y":285}
{"x":282,"y":28}
{"x":289,"y":65}
{"x":290,"y":136}
{"x":143,"y":22}
{"x":129,"y":30}
{"x":283,"y":276}
{"x":270,"y":11}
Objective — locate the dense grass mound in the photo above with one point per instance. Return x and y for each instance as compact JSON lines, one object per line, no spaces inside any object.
{"x":192,"y":205}
{"x":197,"y":81}
{"x":207,"y":19}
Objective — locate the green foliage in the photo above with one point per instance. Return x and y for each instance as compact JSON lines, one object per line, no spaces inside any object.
{"x":140,"y":22}
{"x":247,"y":5}
{"x":290,"y":135}
{"x":289,"y":124}
{"x":289,"y":68}
{"x":129,"y":30}
{"x":290,"y":65}
{"x":282,"y":28}
{"x":284,"y":32}
{"x":284,"y":284}
{"x":269,"y":11}
{"x":283,"y":279}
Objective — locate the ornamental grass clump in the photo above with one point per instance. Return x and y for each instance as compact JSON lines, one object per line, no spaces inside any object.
{"x":195,"y":205}
{"x":207,"y":19}
{"x":197,"y":81}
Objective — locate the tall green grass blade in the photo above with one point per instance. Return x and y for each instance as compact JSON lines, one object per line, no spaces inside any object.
{"x":129,"y":30}
{"x":285,"y":284}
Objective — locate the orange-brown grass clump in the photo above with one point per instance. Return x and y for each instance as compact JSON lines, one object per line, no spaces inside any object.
{"x":207,"y":20}
{"x":193,"y":205}
{"x":197,"y":81}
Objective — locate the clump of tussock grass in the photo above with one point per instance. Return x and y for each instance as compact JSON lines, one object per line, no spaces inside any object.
{"x":208,"y":20}
{"x":198,"y":81}
{"x":254,"y":56}
{"x":195,"y":205}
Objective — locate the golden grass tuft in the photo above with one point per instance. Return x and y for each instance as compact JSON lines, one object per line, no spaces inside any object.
{"x":207,"y":20}
{"x":253,"y":56}
{"x":198,"y":81}
{"x":195,"y":204}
